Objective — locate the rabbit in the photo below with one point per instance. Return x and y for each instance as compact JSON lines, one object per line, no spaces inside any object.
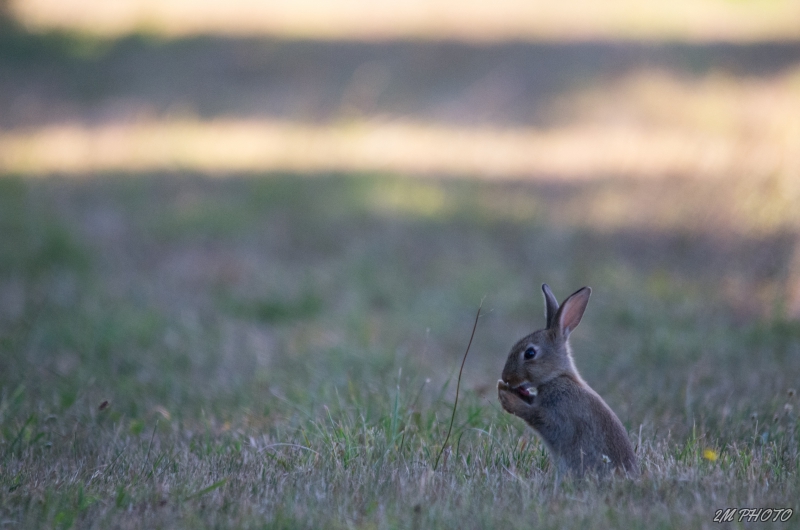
{"x":541,"y":385}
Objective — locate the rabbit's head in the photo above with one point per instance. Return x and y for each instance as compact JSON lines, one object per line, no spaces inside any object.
{"x":544,"y":355}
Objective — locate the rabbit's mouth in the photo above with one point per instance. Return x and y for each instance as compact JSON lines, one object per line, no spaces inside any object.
{"x":526,"y":390}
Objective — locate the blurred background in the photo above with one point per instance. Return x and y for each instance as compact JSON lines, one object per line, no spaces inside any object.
{"x":205,"y":205}
{"x":519,"y":90}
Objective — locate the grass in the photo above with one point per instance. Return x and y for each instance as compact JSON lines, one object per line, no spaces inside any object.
{"x":281,"y":352}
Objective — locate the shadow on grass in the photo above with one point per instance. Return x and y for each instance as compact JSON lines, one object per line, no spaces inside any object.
{"x":418,"y":226}
{"x":56,"y":75}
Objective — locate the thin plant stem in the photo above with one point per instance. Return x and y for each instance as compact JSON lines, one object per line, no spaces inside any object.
{"x":458,"y":386}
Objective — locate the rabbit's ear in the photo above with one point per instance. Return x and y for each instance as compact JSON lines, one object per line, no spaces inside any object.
{"x":569,"y":314}
{"x":550,"y":305}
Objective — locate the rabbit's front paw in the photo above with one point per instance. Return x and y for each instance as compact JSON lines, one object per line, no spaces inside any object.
{"x":517,"y":400}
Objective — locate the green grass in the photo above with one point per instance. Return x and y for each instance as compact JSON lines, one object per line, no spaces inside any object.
{"x":281,"y":352}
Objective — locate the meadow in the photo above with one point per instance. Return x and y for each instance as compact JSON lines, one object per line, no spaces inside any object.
{"x":274,"y":351}
{"x":196,"y":333}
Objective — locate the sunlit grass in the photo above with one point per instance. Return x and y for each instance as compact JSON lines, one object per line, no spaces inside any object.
{"x":570,"y":152}
{"x":706,"y":20}
{"x":227,"y":145}
{"x":580,"y":152}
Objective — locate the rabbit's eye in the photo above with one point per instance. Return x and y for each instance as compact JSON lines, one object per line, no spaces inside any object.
{"x":530,"y":353}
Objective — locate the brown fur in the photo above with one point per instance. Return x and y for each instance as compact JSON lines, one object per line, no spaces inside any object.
{"x":579,"y":429}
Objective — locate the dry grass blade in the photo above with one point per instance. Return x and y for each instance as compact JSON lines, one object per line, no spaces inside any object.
{"x":458,"y":386}
{"x":208,"y":489}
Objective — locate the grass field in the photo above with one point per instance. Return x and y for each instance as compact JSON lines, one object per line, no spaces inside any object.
{"x":238,"y":273}
{"x":279,"y":352}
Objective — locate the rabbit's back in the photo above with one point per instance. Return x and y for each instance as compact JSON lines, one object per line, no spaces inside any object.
{"x":580,"y":430}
